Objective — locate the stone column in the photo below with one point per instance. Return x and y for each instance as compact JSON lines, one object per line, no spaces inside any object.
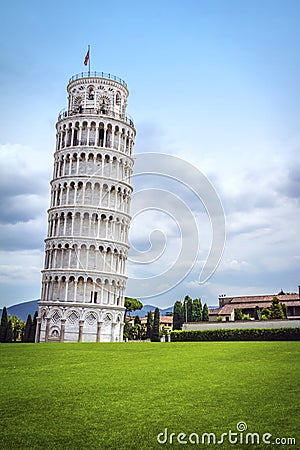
{"x":80,"y":225}
{"x":72,"y":136}
{"x":113,"y":326}
{"x":97,"y":133}
{"x":88,"y":135}
{"x":64,"y":160}
{"x":70,"y":165}
{"x":104,"y":137}
{"x":70,"y":255}
{"x":98,"y":228}
{"x":47,"y":329}
{"x":81,"y":323}
{"x":62,"y":329}
{"x":73,"y":220}
{"x":65,"y":224}
{"x":98,"y":337}
{"x":66,"y":291}
{"x":67,"y":194}
{"x":43,"y":290}
{"x":38,"y":330}
{"x":84,"y":292}
{"x":101,"y":293}
{"x":75,"y":290}
{"x":78,"y":258}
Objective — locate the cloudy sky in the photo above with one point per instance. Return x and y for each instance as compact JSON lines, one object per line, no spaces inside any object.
{"x":212,"y":82}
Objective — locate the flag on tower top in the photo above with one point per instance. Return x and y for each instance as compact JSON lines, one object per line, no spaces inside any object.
{"x":87,"y":56}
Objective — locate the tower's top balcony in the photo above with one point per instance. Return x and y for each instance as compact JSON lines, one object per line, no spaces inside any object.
{"x":93,"y":74}
{"x":97,"y":93}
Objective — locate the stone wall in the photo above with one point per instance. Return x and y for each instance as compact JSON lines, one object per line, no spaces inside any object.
{"x":245,"y":324}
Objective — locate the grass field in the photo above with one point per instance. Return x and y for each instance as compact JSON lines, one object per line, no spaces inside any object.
{"x":121,"y":396}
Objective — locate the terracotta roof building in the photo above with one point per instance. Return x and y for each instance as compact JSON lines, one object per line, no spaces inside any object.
{"x":247,"y":304}
{"x":166,"y":322}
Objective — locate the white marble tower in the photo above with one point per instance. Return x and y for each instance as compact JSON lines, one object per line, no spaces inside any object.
{"x":83,"y":281}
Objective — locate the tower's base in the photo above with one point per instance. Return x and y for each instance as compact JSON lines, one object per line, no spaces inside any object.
{"x":79,"y":323}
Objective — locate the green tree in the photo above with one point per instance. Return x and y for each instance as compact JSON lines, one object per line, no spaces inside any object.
{"x":156,"y":323}
{"x":238,"y":314}
{"x":149,"y":325}
{"x":285,"y":310}
{"x":196,"y":310}
{"x":33,"y":328}
{"x":138,"y":330}
{"x":276,"y":310}
{"x":177,"y":315}
{"x":3,"y":325}
{"x":205,"y":313}
{"x":132,"y":304}
{"x":27,"y":330}
{"x":17,"y":326}
{"x":265,"y":314}
{"x":188,"y":309}
{"x":137,"y":320}
{"x":22,"y":333}
{"x":9,"y":332}
{"x":128,"y":331}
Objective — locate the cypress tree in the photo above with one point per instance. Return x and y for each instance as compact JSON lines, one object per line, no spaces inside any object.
{"x":188,"y":306}
{"x":15,"y":333}
{"x":22,"y":332}
{"x":149,"y":325}
{"x":156,"y":323}
{"x":16,"y":327}
{"x":205,"y":314}
{"x":9,"y":332}
{"x":127,"y":333}
{"x":3,"y":325}
{"x":177,"y":316}
{"x":196,"y":310}
{"x":33,"y":328}
{"x":27,"y":330}
{"x":137,"y":320}
{"x":284,"y":309}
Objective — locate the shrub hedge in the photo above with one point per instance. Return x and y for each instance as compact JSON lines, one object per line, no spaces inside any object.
{"x":249,"y":334}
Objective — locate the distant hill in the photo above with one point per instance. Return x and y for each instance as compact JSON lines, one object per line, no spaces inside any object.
{"x":146,"y":308}
{"x":22,"y":310}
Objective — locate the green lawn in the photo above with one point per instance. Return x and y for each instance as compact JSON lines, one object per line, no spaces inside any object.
{"x":120,"y":396}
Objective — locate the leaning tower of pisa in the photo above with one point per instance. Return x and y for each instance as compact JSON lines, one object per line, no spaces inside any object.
{"x":83,"y":280}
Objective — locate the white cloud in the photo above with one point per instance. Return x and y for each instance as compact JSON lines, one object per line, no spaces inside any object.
{"x":24,"y":183}
{"x":21,"y":267}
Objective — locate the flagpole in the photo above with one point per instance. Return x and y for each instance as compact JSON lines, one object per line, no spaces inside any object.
{"x":89,"y":60}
